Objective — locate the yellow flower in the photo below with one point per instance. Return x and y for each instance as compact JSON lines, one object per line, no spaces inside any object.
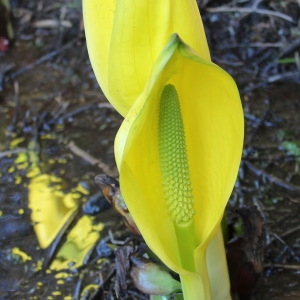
{"x":178,"y":152}
{"x":125,"y":37}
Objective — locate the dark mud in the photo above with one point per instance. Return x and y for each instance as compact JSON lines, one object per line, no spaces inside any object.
{"x":54,"y":119}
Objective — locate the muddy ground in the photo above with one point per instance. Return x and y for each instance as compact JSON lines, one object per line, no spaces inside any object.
{"x":56,"y":124}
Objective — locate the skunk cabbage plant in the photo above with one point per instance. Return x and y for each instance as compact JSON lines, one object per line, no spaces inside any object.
{"x":178,"y":152}
{"x":179,"y":147}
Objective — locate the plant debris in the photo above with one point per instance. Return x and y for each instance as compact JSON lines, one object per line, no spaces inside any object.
{"x":54,"y":120}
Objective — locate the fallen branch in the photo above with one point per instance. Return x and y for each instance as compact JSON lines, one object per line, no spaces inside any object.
{"x":92,"y":160}
{"x":291,"y":231}
{"x":249,"y":10}
{"x":41,"y":60}
{"x":289,"y":267}
{"x":84,"y":108}
{"x":292,"y":252}
{"x":10,"y":152}
{"x":288,"y":75}
{"x":273,"y":179}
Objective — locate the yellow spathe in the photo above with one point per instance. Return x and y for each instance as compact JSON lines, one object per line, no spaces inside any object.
{"x":125,"y":37}
{"x":212,"y":117}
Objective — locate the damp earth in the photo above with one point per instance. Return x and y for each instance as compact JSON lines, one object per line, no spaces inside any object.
{"x":57,"y":132}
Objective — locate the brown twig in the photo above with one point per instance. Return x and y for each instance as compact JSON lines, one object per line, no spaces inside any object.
{"x":10,"y":152}
{"x":291,"y":48}
{"x":84,"y":108}
{"x":284,"y":76}
{"x":292,"y":252}
{"x":260,"y":208}
{"x":289,"y":267}
{"x":273,"y":179}
{"x":249,"y":10}
{"x":92,"y":160}
{"x":41,"y":60}
{"x":290,"y":231}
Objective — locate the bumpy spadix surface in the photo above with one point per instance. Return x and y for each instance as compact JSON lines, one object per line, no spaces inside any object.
{"x":173,"y":157}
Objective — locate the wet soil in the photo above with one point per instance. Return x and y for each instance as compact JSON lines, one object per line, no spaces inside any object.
{"x":54,"y":117}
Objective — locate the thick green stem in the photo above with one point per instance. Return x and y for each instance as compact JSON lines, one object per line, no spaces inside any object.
{"x":186,"y":244}
{"x":195,"y":284}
